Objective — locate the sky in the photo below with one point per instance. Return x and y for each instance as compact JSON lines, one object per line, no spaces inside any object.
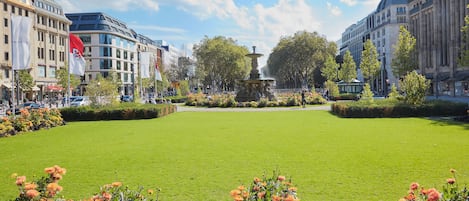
{"x":260,"y":23}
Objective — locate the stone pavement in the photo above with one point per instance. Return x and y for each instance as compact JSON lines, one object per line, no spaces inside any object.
{"x":183,"y":108}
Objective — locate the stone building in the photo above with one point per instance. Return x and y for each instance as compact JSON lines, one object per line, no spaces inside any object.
{"x":436,"y":25}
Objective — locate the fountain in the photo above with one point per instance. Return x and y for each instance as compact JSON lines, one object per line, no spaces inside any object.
{"x":255,"y":88}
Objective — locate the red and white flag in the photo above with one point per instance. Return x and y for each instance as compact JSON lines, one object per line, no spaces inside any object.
{"x":157,"y":70}
{"x":76,"y":60}
{"x":20,"y":30}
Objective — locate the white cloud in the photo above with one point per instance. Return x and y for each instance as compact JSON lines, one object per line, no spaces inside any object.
{"x":335,"y":10}
{"x":157,"y":28}
{"x":349,"y":2}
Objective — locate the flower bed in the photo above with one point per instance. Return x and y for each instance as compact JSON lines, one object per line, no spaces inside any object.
{"x":30,"y":120}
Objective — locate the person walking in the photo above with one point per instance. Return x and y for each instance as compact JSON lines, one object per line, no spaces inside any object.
{"x":303,"y":99}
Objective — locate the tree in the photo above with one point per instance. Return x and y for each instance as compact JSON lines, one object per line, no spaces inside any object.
{"x":184,"y":88}
{"x":394,"y":94}
{"x":62,"y":78}
{"x":26,"y":81}
{"x":329,"y":71}
{"x":332,"y":88}
{"x":464,"y":57}
{"x":297,"y":60}
{"x":102,"y":91}
{"x":367,"y":94}
{"x":221,"y":62}
{"x":348,"y":72}
{"x":415,"y":87}
{"x":369,"y":61}
{"x":404,"y":60}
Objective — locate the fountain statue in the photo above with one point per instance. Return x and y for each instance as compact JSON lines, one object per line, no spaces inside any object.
{"x":255,"y":88}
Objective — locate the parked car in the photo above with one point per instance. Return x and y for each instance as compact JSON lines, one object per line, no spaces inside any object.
{"x":80,"y":101}
{"x":27,"y":105}
{"x":127,"y":98}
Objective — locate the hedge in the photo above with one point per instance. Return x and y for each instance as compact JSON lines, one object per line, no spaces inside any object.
{"x":386,"y":108}
{"x":124,"y":112}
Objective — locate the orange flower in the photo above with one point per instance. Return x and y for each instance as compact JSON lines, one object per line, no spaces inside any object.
{"x":451,"y":180}
{"x":150,"y":191}
{"x":241,"y":188}
{"x":20,"y":180}
{"x":54,"y":187}
{"x":414,"y":186}
{"x":276,"y":198}
{"x":30,"y":186}
{"x":235,"y":193}
{"x":116,"y":184}
{"x":32,"y":193}
{"x":290,"y":198}
{"x":49,"y":170}
{"x":433,"y":195}
{"x":410,"y":197}
{"x":292,"y":189}
{"x":238,"y":198}
{"x":281,"y":178}
{"x":245,"y":194}
{"x":261,"y":194}
{"x":107,"y":196}
{"x":256,"y":179}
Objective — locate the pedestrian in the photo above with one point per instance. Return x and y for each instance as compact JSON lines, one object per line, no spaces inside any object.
{"x":303,"y":99}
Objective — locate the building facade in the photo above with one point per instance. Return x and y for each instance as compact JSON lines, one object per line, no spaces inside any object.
{"x":436,"y":24}
{"x":385,"y":25}
{"x":110,"y":49}
{"x":11,"y":7}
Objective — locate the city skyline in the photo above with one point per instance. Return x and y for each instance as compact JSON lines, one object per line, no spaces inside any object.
{"x":183,"y":23}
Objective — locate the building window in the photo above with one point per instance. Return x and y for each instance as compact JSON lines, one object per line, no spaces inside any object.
{"x":40,"y":53}
{"x":52,"y":55}
{"x":5,"y":7}
{"x":51,"y":39}
{"x":6,"y":39}
{"x":118,"y":65}
{"x":6,"y":56}
{"x":126,"y":66}
{"x":118,"y":53}
{"x":26,"y":13}
{"x":13,"y":9}
{"x":41,"y":71}
{"x":51,"y":72}
{"x":86,"y":39}
{"x":7,"y":73}
{"x":465,"y":88}
{"x":5,"y":22}
{"x":62,"y":56}
{"x":125,"y":54}
{"x":20,"y":11}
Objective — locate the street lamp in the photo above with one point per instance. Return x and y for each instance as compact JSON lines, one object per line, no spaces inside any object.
{"x":340,"y":60}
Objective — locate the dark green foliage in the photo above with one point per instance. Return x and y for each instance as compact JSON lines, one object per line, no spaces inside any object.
{"x":391,"y":108}
{"x":122,"y":112}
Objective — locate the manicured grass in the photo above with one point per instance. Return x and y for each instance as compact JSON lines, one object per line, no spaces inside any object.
{"x":202,"y":156}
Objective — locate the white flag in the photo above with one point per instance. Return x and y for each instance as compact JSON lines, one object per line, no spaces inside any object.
{"x":157,"y":70}
{"x":145,"y":64}
{"x":20,"y":31}
{"x":76,"y":61}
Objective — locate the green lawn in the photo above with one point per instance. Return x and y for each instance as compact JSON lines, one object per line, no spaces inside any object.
{"x":194,"y":156}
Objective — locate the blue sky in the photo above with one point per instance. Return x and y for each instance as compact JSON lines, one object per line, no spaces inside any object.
{"x":184,"y":23}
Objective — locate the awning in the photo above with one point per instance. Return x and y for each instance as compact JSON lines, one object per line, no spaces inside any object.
{"x":6,"y":85}
{"x":462,"y":75}
{"x":54,"y":88}
{"x":429,"y":76}
{"x":443,"y":76}
{"x":35,"y":88}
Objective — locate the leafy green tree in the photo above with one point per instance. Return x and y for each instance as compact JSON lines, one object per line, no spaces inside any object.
{"x":62,"y":78}
{"x":369,"y":61}
{"x":367,"y":94}
{"x":394,"y":94}
{"x":102,"y":91}
{"x":26,"y":81}
{"x":184,"y":87}
{"x":329,"y":71}
{"x":297,"y":60}
{"x":415,"y":87}
{"x":221,"y":62}
{"x":332,"y":88}
{"x":464,"y":58}
{"x":348,"y":72}
{"x":404,"y":60}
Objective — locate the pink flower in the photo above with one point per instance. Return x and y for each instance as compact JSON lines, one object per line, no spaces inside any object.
{"x":433,"y":195}
{"x":451,"y":180}
{"x":20,"y":180}
{"x":414,"y":186}
{"x":281,"y":178}
{"x":32,"y":193}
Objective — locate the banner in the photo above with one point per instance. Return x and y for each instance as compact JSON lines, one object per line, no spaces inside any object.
{"x":76,"y":60}
{"x":157,"y":70}
{"x":145,"y":64}
{"x":20,"y":42}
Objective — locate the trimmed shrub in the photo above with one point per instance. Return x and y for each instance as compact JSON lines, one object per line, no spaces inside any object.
{"x":391,"y":108}
{"x":123,"y":112}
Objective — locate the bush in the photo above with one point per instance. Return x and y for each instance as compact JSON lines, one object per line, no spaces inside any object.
{"x":30,"y":120}
{"x":275,"y":188}
{"x":125,"y":111}
{"x":415,"y":86}
{"x":393,"y":108}
{"x":367,"y":94}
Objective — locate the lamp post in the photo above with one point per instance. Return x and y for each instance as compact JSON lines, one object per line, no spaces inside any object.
{"x":340,"y":60}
